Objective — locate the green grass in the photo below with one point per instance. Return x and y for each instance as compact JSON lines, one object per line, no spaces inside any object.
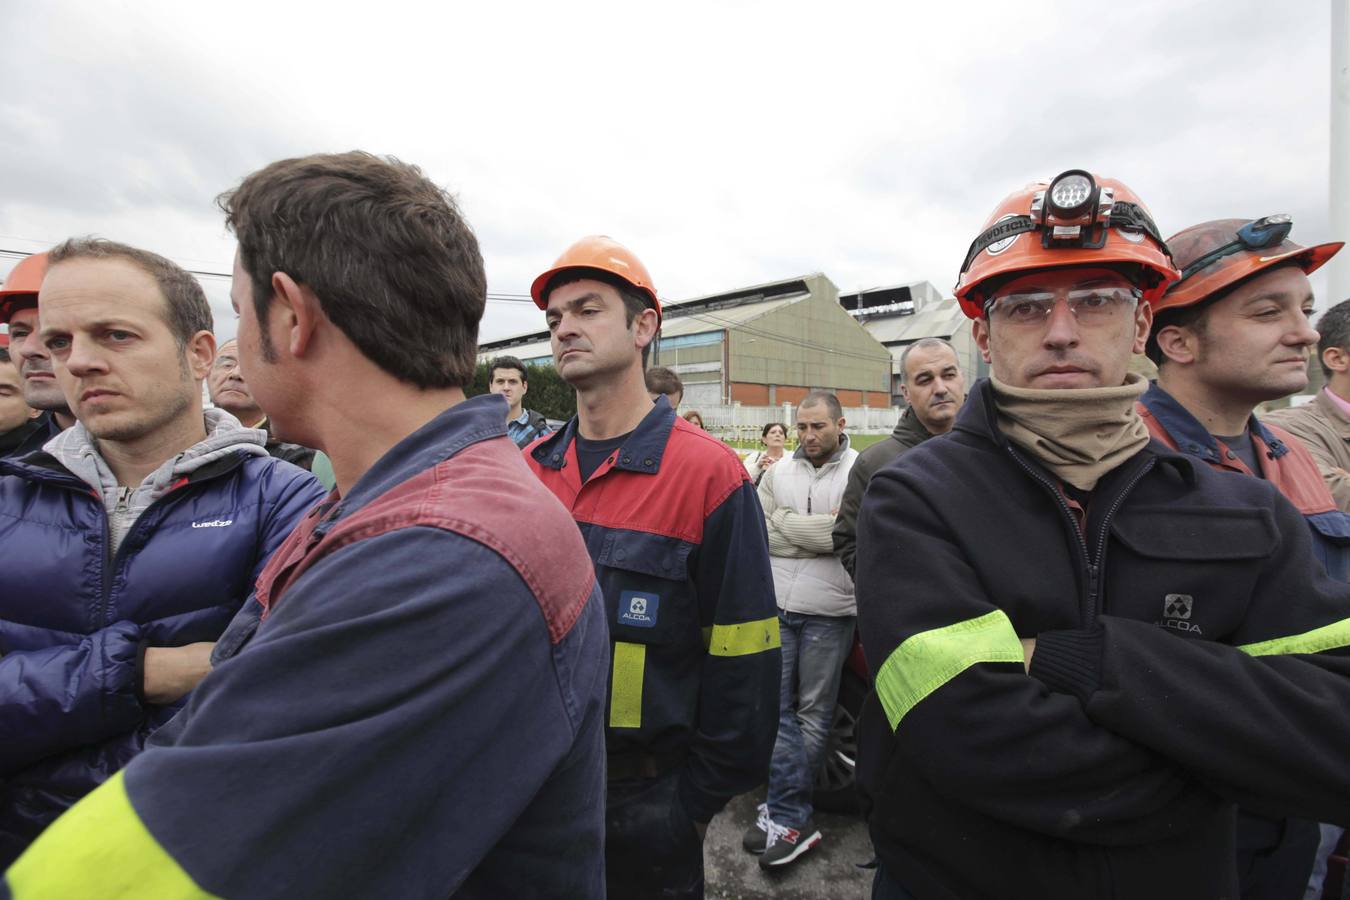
{"x":857,"y":441}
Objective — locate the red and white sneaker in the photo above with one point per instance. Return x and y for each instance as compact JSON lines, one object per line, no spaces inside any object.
{"x":787,"y":844}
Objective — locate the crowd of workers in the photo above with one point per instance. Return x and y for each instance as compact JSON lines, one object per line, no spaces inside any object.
{"x":1107,"y":621}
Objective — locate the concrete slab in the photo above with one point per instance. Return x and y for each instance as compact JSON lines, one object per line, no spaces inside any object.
{"x":829,"y":870}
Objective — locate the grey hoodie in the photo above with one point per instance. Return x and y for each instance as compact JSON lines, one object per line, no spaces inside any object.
{"x":77,"y":450}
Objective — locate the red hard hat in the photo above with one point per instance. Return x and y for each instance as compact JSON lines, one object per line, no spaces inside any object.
{"x":23,"y":283}
{"x":1214,"y":256}
{"x":606,"y":255}
{"x":1077,"y":219}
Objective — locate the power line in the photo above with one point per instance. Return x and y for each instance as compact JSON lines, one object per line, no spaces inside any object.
{"x":494,"y":296}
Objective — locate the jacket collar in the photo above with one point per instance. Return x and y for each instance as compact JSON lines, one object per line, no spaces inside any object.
{"x":475,"y":419}
{"x":910,"y":427}
{"x":800,"y":452}
{"x":1193,"y":438}
{"x":642,"y":451}
{"x":43,"y":467}
{"x":978,"y":416}
{"x":1333,"y":413}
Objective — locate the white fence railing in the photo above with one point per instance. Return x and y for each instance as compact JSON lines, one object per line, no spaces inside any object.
{"x":737,"y":422}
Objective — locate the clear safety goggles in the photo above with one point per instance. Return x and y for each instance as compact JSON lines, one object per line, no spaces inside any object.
{"x":1091,"y":306}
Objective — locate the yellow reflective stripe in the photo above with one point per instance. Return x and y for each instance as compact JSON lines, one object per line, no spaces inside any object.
{"x":625,"y":691}
{"x":744,"y":638}
{"x":928,"y":660}
{"x":100,"y":848}
{"x":1328,"y":637}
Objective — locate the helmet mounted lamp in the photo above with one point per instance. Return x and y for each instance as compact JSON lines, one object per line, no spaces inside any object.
{"x":1071,"y":209}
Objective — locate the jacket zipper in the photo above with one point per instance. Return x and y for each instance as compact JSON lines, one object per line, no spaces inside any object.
{"x":110,"y":558}
{"x":1092,"y":565}
{"x":1106,"y":529}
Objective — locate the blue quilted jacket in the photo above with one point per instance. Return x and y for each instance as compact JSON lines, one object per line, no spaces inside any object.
{"x":75,"y":619}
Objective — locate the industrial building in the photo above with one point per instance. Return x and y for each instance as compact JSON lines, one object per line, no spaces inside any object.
{"x":761,"y":346}
{"x":899,"y":315}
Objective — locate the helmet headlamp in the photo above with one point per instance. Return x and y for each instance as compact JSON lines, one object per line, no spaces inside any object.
{"x":1071,"y":208}
{"x":1070,"y":193}
{"x":1260,"y":234}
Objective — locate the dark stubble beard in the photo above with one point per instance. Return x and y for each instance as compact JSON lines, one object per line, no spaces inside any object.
{"x":152,"y":420}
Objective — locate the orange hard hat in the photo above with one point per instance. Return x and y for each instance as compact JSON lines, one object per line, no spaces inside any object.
{"x":603,"y":254}
{"x":1075,"y":219}
{"x":1215,"y":256}
{"x":22,"y":284}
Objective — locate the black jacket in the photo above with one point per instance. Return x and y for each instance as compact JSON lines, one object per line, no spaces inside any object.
{"x":30,"y":436}
{"x":1190,"y":655}
{"x":295,"y":454}
{"x":909,"y":432}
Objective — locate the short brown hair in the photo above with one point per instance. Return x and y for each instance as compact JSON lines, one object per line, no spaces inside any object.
{"x":389,"y":255}
{"x":508,"y":362}
{"x":661,"y":380}
{"x":186,"y":311}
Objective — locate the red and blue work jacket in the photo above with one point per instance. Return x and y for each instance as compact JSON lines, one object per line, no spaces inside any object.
{"x":680,"y":549}
{"x":1285,"y":463}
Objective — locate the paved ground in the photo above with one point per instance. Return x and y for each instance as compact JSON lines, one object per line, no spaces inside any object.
{"x":829,"y":870}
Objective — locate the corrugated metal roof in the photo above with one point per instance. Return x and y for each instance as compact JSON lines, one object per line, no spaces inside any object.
{"x":726,"y":317}
{"x":938,"y":320}
{"x":524,"y":351}
{"x":690,"y":323}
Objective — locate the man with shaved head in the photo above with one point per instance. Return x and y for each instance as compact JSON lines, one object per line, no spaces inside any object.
{"x":230,"y":392}
{"x":934,"y":386}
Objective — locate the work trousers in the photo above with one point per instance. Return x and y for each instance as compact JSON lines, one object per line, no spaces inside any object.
{"x":885,"y":887}
{"x":814,"y":650}
{"x":652,"y":849}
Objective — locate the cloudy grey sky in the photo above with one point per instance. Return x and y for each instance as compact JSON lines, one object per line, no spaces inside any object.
{"x":726,"y":143}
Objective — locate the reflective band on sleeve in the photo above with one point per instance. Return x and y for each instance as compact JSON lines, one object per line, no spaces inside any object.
{"x":930,"y":659}
{"x":1328,"y":637}
{"x":744,"y":638}
{"x":100,"y":848}
{"x":625,"y":692}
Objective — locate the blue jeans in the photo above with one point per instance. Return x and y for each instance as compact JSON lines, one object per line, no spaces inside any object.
{"x":814,"y":650}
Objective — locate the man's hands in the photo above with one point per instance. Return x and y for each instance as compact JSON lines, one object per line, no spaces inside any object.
{"x":170,"y":672}
{"x":1028,"y":649}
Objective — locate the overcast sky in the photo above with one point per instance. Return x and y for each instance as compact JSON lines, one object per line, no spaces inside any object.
{"x":726,"y":143}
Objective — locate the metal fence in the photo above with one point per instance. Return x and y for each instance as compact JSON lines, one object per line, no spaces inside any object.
{"x":736,"y":422}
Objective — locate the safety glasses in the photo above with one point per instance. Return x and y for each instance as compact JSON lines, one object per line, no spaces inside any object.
{"x":1091,"y":306}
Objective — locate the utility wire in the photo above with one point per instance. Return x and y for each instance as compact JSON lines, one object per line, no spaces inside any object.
{"x":494,"y":296}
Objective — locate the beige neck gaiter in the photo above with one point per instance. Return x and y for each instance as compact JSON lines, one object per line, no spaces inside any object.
{"x":1079,"y":434}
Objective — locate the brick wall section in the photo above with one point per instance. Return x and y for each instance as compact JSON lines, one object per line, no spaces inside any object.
{"x":750,"y":394}
{"x":849,"y":398}
{"x":878,"y":398}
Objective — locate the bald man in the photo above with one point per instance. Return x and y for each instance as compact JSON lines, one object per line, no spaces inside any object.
{"x":230,"y":392}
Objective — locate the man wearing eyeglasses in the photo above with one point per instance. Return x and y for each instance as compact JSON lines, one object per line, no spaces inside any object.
{"x":1232,"y":333}
{"x":1104,"y":646}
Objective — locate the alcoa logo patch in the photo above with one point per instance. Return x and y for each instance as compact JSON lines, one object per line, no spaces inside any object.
{"x":214,"y":523}
{"x":638,"y":609}
{"x":1177,"y":613}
